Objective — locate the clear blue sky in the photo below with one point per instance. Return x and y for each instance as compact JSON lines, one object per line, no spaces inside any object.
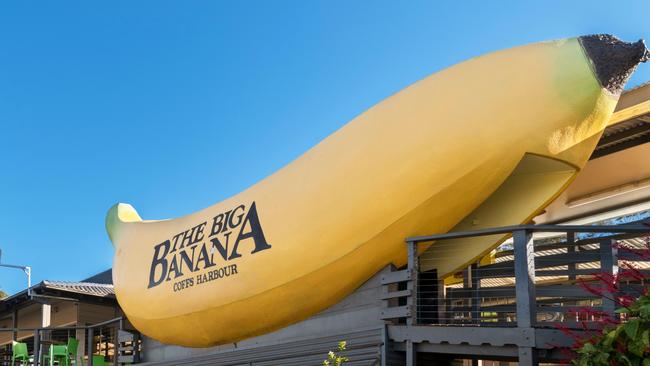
{"x":173,"y":106}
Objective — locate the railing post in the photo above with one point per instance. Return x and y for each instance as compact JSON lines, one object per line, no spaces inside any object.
{"x":412,"y":301}
{"x":476,"y":301}
{"x":37,"y":347}
{"x":91,"y":335}
{"x":524,"y":278}
{"x":411,"y":353}
{"x":609,"y":266}
{"x":525,"y":291}
{"x":14,"y":322}
{"x":116,"y":343}
{"x":414,"y":269}
{"x":442,"y":300}
{"x":571,"y":248}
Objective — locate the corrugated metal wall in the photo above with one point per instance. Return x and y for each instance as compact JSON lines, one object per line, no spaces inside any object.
{"x":356,"y":319}
{"x":364,"y":349}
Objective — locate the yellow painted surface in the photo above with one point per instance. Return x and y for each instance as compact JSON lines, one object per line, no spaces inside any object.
{"x":533,"y":183}
{"x":417,"y":163}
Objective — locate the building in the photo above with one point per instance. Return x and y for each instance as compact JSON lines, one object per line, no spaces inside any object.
{"x":410,"y":314}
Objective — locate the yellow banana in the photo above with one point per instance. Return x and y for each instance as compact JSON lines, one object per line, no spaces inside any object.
{"x":424,"y":160}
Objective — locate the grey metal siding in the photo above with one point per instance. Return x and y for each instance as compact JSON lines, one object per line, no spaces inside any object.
{"x":356,"y":319}
{"x":364,"y":349}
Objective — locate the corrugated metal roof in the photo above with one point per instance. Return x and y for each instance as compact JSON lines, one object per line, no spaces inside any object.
{"x":623,"y":135}
{"x":82,"y":288}
{"x":85,"y":288}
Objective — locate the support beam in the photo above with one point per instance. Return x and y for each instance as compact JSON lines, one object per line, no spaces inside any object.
{"x":527,"y":357}
{"x":37,"y":347}
{"x":609,"y":265}
{"x":524,"y":278}
{"x":476,"y":300}
{"x":384,"y":346}
{"x":442,"y":301}
{"x":412,"y":301}
{"x":14,"y":324}
{"x":413,"y":269}
{"x":411,"y":354}
{"x":571,"y":248}
{"x":89,"y":347}
{"x":525,"y":290}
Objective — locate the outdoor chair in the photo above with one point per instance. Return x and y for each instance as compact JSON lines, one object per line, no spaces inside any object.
{"x":19,"y":353}
{"x":98,"y":360}
{"x":73,"y":344}
{"x":64,"y":355}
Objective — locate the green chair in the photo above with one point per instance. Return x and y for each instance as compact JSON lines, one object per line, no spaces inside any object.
{"x":73,"y":344}
{"x":59,"y":355}
{"x":64,"y":355}
{"x":98,"y":360}
{"x":19,"y":353}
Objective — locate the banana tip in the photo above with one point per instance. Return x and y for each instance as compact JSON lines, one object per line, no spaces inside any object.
{"x":119,"y":213}
{"x":613,"y":60}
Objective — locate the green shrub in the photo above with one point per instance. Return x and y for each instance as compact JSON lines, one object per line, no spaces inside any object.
{"x":334,"y":358}
{"x":625,"y":344}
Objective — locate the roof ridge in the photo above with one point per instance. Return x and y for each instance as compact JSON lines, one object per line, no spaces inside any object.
{"x":77,"y":283}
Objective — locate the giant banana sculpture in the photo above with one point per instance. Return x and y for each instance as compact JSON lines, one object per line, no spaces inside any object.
{"x":447,"y":152}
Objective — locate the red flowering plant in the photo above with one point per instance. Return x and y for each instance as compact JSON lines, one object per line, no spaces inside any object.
{"x":621,"y":339}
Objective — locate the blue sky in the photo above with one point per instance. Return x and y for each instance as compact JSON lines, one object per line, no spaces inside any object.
{"x":173,"y":106}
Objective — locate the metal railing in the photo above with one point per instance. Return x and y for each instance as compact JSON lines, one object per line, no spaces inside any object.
{"x":547,"y":275}
{"x":115,"y":341}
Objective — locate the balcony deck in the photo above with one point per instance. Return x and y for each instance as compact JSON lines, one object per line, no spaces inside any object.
{"x":513,"y":307}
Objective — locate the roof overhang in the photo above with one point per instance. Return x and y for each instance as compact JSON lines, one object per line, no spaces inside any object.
{"x":48,"y":291}
{"x":630,"y":123}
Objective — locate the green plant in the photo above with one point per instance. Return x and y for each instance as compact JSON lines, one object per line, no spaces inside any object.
{"x":334,"y":358}
{"x":626,"y":344}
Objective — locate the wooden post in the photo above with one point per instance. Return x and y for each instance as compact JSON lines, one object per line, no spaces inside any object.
{"x":90,"y":346}
{"x":476,"y":301}
{"x":411,"y":353}
{"x":37,"y":347}
{"x":524,"y":278}
{"x":442,"y":301}
{"x":413,"y":268}
{"x":528,"y":357}
{"x":609,"y":265}
{"x":466,"y":299}
{"x":14,"y":324}
{"x":525,"y":290}
{"x":412,"y":301}
{"x":571,"y":248}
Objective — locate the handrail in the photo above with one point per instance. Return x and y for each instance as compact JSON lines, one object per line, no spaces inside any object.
{"x":104,"y":323}
{"x":90,"y":328}
{"x":428,"y":297}
{"x":533,"y":228}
